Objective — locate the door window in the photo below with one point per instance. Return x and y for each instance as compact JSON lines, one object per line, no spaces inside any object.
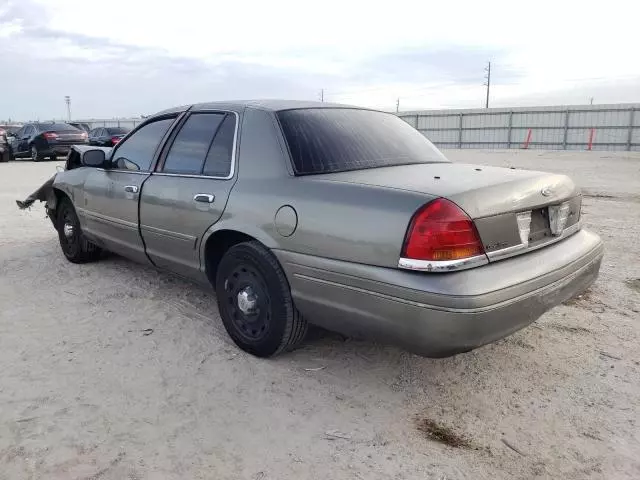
{"x":137,"y":152}
{"x":220,"y":156}
{"x":189,"y":150}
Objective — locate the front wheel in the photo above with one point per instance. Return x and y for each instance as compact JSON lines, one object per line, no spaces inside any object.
{"x":255,"y":301}
{"x":74,"y":245}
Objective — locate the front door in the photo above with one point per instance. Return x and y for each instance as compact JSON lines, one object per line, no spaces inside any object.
{"x":188,"y":192}
{"x":23,"y":140}
{"x":109,"y":210}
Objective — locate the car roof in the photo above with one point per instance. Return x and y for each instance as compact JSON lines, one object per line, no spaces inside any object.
{"x":268,"y":104}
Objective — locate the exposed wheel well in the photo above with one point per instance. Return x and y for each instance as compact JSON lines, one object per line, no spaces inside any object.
{"x":217,"y":245}
{"x":52,"y":212}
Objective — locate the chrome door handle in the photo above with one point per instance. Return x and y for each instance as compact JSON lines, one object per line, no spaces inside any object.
{"x":131,"y":189}
{"x":204,"y":198}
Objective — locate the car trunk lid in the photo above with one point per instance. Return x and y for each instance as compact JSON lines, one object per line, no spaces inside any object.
{"x":67,"y":137}
{"x":513,"y":210}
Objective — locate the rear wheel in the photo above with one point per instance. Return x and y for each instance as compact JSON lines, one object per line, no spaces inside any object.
{"x":36,"y":156}
{"x":74,"y":245}
{"x":255,"y":301}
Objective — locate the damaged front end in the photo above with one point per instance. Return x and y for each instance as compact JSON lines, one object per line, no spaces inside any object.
{"x":47,"y":193}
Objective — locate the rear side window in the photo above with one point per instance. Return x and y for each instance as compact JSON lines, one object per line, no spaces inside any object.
{"x":219,"y":158}
{"x":326,"y":140}
{"x":189,"y":150}
{"x":137,"y":151}
{"x":117,"y":131}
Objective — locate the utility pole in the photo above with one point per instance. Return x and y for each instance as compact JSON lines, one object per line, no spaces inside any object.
{"x":397,"y":105}
{"x":322,"y":94}
{"x":488,"y":84}
{"x":67,"y":100}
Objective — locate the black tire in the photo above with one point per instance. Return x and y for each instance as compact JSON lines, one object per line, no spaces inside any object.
{"x":75,"y":247}
{"x":36,"y":156}
{"x":274,"y":325}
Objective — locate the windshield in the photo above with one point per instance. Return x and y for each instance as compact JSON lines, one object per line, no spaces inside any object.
{"x":55,"y":127}
{"x":327,"y":140}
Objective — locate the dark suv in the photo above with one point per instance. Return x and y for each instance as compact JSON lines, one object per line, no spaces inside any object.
{"x":42,"y":140}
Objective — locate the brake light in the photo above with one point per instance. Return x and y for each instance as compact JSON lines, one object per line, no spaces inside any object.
{"x":50,"y":135}
{"x":441,"y":231}
{"x":115,"y":140}
{"x":84,"y":135}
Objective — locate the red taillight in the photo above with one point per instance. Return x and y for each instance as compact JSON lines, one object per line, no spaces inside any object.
{"x":50,"y":135}
{"x":115,"y":140}
{"x":441,"y":231}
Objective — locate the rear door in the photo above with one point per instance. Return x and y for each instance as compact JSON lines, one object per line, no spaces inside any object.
{"x":188,"y":192}
{"x":110,"y":205}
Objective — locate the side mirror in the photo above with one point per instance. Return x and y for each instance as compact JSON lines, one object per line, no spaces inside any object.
{"x":94,"y":158}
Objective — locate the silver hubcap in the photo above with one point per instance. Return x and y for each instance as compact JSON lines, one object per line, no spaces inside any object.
{"x":68,"y":230}
{"x":247,"y":301}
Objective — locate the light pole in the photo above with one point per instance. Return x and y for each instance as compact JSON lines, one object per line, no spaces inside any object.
{"x":67,"y":100}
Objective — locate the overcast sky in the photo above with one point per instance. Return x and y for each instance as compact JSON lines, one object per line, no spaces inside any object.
{"x":132,"y":57}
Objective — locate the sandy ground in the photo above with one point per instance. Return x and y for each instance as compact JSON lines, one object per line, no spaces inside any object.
{"x":87,"y":392}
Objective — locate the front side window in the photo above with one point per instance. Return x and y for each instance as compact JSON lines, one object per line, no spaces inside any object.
{"x":190,"y":148}
{"x":327,"y":140}
{"x":136,"y":153}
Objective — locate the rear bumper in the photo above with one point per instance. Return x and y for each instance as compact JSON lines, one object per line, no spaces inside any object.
{"x":442,"y":314}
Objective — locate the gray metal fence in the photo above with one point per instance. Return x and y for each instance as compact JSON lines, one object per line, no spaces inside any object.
{"x":597,"y":127}
{"x":112,"y":122}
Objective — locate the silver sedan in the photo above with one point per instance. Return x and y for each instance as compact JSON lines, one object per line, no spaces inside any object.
{"x":339,"y":216}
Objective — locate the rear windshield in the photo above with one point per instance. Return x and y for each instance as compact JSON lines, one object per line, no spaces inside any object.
{"x":55,"y":127}
{"x":117,"y":131}
{"x":327,"y":140}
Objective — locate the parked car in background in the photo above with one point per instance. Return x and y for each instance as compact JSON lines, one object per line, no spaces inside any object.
{"x":45,"y":140}
{"x":344,"y":217}
{"x":6,"y":129}
{"x":5,"y":149}
{"x":107,"y":136}
{"x":81,"y":126}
